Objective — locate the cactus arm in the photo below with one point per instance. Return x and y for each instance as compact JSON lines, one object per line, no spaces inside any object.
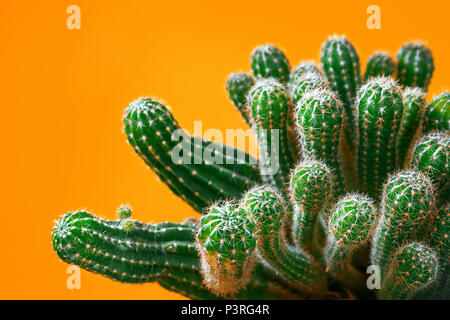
{"x":293,"y":264}
{"x":413,"y":110}
{"x":431,"y":156}
{"x":415,"y":65}
{"x":306,"y":82}
{"x":340,"y":63}
{"x":350,"y":229}
{"x":319,"y":116}
{"x":302,"y":69}
{"x":379,"y":64}
{"x":270,"y":108}
{"x":380,"y":109}
{"x":414,"y":268}
{"x":406,"y":207}
{"x":268,"y":61}
{"x":149,"y":126}
{"x":437,"y":114}
{"x":311,"y":187}
{"x":238,"y":86}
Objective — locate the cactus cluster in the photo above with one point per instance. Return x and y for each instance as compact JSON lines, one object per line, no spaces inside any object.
{"x":359,"y":181}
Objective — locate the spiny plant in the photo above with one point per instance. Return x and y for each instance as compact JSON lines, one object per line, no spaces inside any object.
{"x":359,"y":177}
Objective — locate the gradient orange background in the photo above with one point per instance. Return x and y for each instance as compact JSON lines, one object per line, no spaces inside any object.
{"x":63,"y":93}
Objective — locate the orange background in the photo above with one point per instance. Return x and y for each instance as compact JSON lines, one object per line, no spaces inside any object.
{"x":63,"y":93}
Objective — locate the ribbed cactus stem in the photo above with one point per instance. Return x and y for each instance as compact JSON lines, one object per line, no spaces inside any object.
{"x":303,"y":68}
{"x":413,"y":110}
{"x":379,"y":64}
{"x":238,"y":86}
{"x":226,"y":241}
{"x":380,"y":108}
{"x":311,"y":188}
{"x":349,"y":229}
{"x":414,"y":268}
{"x":415,"y":65}
{"x":142,"y":253}
{"x":437,"y":114}
{"x":306,"y":82}
{"x":431,"y":156}
{"x":268,"y":61}
{"x":340,"y":62}
{"x":198,"y":171}
{"x":270,"y":107}
{"x":407,"y":205}
{"x":299,"y":269}
{"x":319,"y":115}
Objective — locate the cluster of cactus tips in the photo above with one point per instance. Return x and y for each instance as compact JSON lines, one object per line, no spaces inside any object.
{"x":361,"y":182}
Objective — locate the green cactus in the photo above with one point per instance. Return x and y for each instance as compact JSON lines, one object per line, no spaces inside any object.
{"x":319,"y":116}
{"x":437,"y":114}
{"x":311,"y":187}
{"x":413,"y":109}
{"x":226,"y":240}
{"x":414,"y":267}
{"x":379,"y":64}
{"x":380,"y":108}
{"x":431,"y":155}
{"x":238,"y":86}
{"x":303,"y":68}
{"x":350,"y":228}
{"x":270,"y":109}
{"x":407,"y":204}
{"x":415,"y":65}
{"x":340,"y":62}
{"x":296,"y":222}
{"x":150,"y":128}
{"x":308,"y":81}
{"x":270,"y":62}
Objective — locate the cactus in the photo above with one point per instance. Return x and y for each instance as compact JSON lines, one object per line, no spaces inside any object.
{"x":319,"y":116}
{"x":303,"y":68}
{"x":379,"y":64}
{"x":311,"y":188}
{"x":360,"y":176}
{"x":414,"y":267}
{"x":340,"y":62}
{"x":380,"y":107}
{"x":415,"y":65}
{"x":238,"y":86}
{"x":226,"y":240}
{"x":431,"y":155}
{"x":270,"y":62}
{"x":408,"y":203}
{"x":437,"y":114}
{"x":413,"y":109}
{"x":270,"y":108}
{"x":150,"y":128}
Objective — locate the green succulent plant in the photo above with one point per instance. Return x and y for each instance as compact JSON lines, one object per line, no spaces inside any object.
{"x":360,"y":178}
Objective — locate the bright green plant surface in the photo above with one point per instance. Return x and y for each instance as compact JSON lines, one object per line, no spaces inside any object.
{"x":361,"y":179}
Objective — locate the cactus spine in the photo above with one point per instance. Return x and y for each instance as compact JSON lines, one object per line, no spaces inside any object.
{"x":437,"y":114}
{"x":340,"y":62}
{"x":238,"y":86}
{"x":150,"y":128}
{"x":307,"y":82}
{"x":380,"y":109}
{"x":413,"y":109}
{"x":379,"y":64}
{"x":415,"y":65}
